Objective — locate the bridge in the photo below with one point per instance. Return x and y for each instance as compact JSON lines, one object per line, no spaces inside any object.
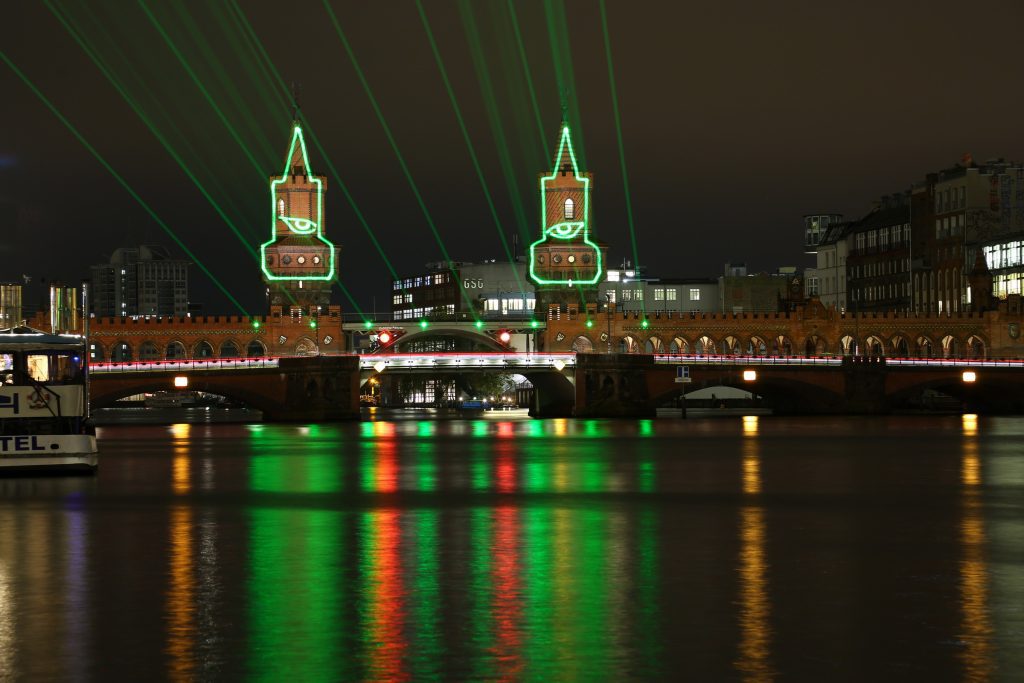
{"x":584,"y":384}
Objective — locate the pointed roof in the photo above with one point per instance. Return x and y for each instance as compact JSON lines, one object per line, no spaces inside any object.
{"x":565,"y":156}
{"x":297,"y":156}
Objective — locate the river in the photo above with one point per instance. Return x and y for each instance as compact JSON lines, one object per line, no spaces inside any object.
{"x":716,"y":549}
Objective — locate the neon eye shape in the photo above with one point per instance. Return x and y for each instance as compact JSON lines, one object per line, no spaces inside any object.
{"x":300,"y":226}
{"x":565,"y":231}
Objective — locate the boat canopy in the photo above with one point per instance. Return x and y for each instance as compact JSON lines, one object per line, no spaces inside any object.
{"x":28,"y":339}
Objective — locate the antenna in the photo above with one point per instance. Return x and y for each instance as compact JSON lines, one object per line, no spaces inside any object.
{"x":296,"y":92}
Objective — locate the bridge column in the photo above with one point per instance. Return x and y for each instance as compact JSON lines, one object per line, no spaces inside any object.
{"x":864,"y":380}
{"x":318,"y":388}
{"x":613,"y":385}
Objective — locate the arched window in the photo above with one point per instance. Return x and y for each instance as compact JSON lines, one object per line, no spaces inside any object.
{"x":255,"y":349}
{"x":229,"y":349}
{"x":570,"y":209}
{"x":280,"y":207}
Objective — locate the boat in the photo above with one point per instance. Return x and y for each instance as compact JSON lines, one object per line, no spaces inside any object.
{"x":171,"y":399}
{"x":44,"y":403}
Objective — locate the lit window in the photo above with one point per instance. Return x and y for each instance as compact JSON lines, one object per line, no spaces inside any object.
{"x":694,"y":294}
{"x":571,"y":259}
{"x":316,"y":259}
{"x":280,"y":207}
{"x":570,"y":209}
{"x":613,"y":276}
{"x":301,"y":259}
{"x":659,"y":294}
{"x":670,"y":294}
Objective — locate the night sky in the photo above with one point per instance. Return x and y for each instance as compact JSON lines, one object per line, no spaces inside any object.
{"x":734,"y":124}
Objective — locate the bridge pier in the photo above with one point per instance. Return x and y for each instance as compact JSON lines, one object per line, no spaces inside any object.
{"x":613,"y":385}
{"x":317,"y":389}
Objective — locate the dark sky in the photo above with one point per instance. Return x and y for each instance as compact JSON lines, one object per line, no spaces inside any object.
{"x":735,"y":122}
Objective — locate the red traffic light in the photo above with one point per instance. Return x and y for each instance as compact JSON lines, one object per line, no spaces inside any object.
{"x":505,"y":337}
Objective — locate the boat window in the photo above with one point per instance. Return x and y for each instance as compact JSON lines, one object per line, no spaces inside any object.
{"x":39,"y":367}
{"x":6,"y":368}
{"x":54,"y":367}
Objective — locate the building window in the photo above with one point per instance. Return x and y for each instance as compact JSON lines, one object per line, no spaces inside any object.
{"x":280,"y":207}
{"x":570,"y":209}
{"x":694,"y":294}
{"x":659,"y":294}
{"x":670,"y":294}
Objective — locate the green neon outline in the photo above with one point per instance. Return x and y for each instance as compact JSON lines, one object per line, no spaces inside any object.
{"x":297,"y":137}
{"x":565,"y":230}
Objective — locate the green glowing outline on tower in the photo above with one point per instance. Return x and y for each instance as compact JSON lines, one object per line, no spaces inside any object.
{"x":565,"y":230}
{"x":298,"y":226}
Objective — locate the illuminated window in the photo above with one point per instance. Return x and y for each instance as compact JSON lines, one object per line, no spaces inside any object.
{"x":670,"y":294}
{"x":659,"y":294}
{"x":694,"y":294}
{"x":570,"y":209}
{"x":301,"y":259}
{"x":280,"y":207}
{"x":571,"y":259}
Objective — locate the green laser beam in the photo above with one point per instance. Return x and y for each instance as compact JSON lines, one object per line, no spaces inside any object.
{"x":469,"y":144}
{"x":618,"y":135}
{"x":394,"y":147}
{"x":92,"y":150}
{"x":558,"y":37}
{"x":541,"y":136}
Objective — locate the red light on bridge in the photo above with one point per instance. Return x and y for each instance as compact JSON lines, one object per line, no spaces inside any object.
{"x":505,"y":337}
{"x":384,"y":337}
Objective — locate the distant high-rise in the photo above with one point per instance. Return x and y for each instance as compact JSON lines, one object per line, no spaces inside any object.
{"x":10,"y":304}
{"x":142,"y":280}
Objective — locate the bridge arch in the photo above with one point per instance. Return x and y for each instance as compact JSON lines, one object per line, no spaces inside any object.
{"x":924,"y":348}
{"x":898,"y":347}
{"x":305,"y":347}
{"x":757,"y":346}
{"x":202,"y":349}
{"x":229,"y":349}
{"x":730,"y":345}
{"x":629,"y":344}
{"x":654,"y":344}
{"x":975,"y":346}
{"x":848,"y":345}
{"x":582,"y":344}
{"x":815,"y":346}
{"x":104,"y":398}
{"x":679,"y":345}
{"x":438,"y":339}
{"x":255,"y":349}
{"x":175,"y":351}
{"x":148,"y":351}
{"x":950,"y":346}
{"x":782,"y":346}
{"x":704,"y":346}
{"x":874,"y":346}
{"x":121,"y":352}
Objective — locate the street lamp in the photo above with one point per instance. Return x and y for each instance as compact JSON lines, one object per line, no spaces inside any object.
{"x":608,"y":309}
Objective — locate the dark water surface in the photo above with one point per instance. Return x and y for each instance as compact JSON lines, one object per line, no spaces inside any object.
{"x":717,"y":549}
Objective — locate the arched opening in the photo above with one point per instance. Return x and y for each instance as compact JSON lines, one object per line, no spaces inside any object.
{"x":815,"y":346}
{"x":874,"y":346}
{"x":96,"y":352}
{"x":582,"y":344}
{"x":899,"y":347}
{"x":731,"y":345}
{"x":704,"y":346}
{"x":174,"y":351}
{"x":628,"y":345}
{"x":202,"y":350}
{"x":121,"y":353}
{"x":849,"y":345}
{"x":280,"y":207}
{"x":782,"y":346}
{"x":306,"y":347}
{"x":570,"y":209}
{"x":255,"y":349}
{"x":975,"y":347}
{"x":679,"y":345}
{"x":950,"y":347}
{"x":757,"y":347}
{"x":925,"y":348}
{"x":229,"y":349}
{"x":653,"y":345}
{"x":148,"y":351}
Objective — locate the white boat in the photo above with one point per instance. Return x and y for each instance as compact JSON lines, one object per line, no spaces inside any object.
{"x":44,"y":403}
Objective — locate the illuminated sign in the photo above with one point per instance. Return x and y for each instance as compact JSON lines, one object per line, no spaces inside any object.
{"x":304,"y":226}
{"x":574,"y":223}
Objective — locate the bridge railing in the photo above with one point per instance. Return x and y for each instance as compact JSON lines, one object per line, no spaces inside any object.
{"x":464,"y":361}
{"x":190,"y":365}
{"x":726,"y":359}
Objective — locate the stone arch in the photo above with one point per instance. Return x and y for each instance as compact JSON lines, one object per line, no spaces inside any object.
{"x":898,"y":346}
{"x":815,"y":346}
{"x":782,"y":346}
{"x":629,"y":344}
{"x":229,"y":349}
{"x":582,"y":344}
{"x":306,"y":347}
{"x":148,"y":351}
{"x":121,"y":352}
{"x":849,"y":345}
{"x":96,"y":352}
{"x":175,"y":351}
{"x":255,"y":349}
{"x":757,"y":346}
{"x":730,"y":345}
{"x":950,"y":346}
{"x":704,"y":346}
{"x":874,"y":346}
{"x":975,"y":347}
{"x":202,"y":349}
{"x":654,"y":345}
{"x":924,"y":348}
{"x":679,"y":345}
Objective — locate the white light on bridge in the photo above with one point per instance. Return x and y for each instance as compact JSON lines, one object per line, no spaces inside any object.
{"x":970,"y":376}
{"x":180,"y":382}
{"x":749,"y":375}
{"x":379,"y":366}
{"x":559,"y":365}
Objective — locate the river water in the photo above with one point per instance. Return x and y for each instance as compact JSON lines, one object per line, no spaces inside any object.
{"x":715,"y":549}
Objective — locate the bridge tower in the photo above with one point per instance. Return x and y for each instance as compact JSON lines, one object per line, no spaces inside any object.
{"x":566,"y":264}
{"x":299,"y":263}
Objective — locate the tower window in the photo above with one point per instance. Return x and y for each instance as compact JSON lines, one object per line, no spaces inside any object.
{"x":280,"y":207}
{"x":570,"y":209}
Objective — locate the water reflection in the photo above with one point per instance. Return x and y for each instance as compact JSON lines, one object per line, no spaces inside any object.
{"x":976,"y":624}
{"x":754,"y":660}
